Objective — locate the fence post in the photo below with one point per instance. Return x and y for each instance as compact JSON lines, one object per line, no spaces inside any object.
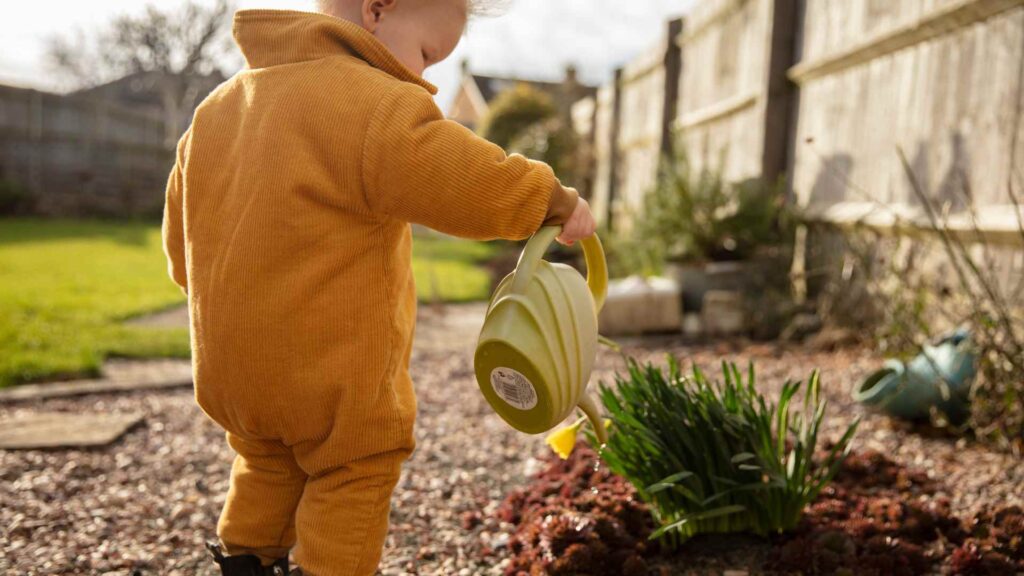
{"x":780,"y":90}
{"x":35,"y":137}
{"x":613,"y":153}
{"x":673,"y":71}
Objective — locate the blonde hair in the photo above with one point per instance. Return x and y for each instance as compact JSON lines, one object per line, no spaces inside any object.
{"x":487,"y":7}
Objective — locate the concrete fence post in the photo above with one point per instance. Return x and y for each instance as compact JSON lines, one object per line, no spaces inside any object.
{"x":673,"y":73}
{"x":779,"y":90}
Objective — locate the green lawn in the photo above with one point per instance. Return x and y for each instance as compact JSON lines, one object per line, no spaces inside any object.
{"x":452,"y":269}
{"x":66,"y":286}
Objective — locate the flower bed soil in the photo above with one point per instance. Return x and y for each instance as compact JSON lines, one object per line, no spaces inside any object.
{"x":575,"y":519}
{"x":877,"y":517}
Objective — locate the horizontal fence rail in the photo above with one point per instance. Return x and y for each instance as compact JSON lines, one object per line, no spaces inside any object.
{"x":827,"y":93}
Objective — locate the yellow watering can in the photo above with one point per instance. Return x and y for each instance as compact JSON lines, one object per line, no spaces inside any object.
{"x":539,"y":340}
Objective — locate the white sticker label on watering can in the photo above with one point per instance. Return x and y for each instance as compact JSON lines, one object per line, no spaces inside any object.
{"x":514,"y":388}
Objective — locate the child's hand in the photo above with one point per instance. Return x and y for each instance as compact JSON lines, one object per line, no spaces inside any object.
{"x":579,"y":226}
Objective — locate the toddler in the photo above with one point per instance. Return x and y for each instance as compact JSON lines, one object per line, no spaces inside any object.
{"x":287,"y":223}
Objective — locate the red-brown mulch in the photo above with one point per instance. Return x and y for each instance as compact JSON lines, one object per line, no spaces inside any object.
{"x":877,"y":517}
{"x":574,"y":518}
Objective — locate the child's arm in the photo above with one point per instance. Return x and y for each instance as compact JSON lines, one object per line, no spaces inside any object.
{"x":421,"y":168}
{"x":173,"y":228}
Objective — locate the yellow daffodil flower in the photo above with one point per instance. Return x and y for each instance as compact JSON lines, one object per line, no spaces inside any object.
{"x":563,"y":441}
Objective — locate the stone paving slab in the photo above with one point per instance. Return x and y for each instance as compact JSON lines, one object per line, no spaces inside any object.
{"x":64,"y":430}
{"x":451,"y":327}
{"x":118,"y":376}
{"x":176,"y":317}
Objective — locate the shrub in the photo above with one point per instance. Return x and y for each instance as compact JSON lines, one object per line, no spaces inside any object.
{"x":702,"y":217}
{"x":525,"y":120}
{"x":630,"y":254}
{"x":14,"y":199}
{"x":554,"y":143}
{"x":714,"y":456}
{"x":514,"y":112}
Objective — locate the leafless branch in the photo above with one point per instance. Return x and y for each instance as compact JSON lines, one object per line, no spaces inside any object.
{"x":181,"y":45}
{"x":1015,"y":201}
{"x":988,"y":260}
{"x":960,"y":257}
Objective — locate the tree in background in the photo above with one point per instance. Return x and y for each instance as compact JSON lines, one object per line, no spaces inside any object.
{"x":514,"y":112}
{"x":526,"y":121}
{"x":179,"y":47}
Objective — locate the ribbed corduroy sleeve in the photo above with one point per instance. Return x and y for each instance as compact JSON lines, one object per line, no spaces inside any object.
{"x":422,"y":168}
{"x":173,"y":227}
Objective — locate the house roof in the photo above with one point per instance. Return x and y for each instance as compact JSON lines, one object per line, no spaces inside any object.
{"x":478,"y":91}
{"x":491,"y":86}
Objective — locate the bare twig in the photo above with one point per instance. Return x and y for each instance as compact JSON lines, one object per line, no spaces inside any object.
{"x":1018,"y":210}
{"x":998,"y":300}
{"x":958,"y":253}
{"x":183,"y":45}
{"x":1015,"y":200}
{"x":939,"y":229}
{"x":965,"y":191}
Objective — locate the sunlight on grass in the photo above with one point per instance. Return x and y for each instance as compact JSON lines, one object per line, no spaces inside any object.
{"x":451,"y":268}
{"x":66,"y":286}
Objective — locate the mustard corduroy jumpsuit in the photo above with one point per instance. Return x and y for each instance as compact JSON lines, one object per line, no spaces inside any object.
{"x":287,"y":224}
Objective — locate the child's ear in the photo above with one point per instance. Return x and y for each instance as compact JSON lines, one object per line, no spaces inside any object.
{"x":374,"y":11}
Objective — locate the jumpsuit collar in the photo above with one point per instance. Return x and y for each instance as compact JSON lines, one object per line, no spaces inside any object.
{"x":276,"y":37}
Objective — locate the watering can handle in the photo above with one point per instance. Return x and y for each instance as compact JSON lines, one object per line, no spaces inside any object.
{"x":593,"y":253}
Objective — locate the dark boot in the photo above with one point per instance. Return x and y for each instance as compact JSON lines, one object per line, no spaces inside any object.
{"x":247,"y":564}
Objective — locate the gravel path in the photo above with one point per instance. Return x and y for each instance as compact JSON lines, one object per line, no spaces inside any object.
{"x":146,"y":504}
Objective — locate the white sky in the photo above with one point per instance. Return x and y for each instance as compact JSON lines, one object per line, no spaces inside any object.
{"x":533,"y":39}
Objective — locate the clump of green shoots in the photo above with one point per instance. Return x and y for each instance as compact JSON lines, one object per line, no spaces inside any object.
{"x":714,"y":456}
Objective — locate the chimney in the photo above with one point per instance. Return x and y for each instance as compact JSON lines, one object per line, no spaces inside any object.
{"x":571,"y":76}
{"x":570,"y":93}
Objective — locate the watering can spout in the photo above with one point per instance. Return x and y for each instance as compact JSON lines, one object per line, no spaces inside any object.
{"x":539,"y":339}
{"x":590,"y":407}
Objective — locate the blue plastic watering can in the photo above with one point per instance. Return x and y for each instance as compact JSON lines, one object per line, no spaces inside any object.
{"x":941,"y":376}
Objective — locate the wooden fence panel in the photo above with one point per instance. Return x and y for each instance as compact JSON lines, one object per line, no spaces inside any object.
{"x":943,"y":80}
{"x":583,"y":115}
{"x":939,"y":79}
{"x":605,"y":130}
{"x":631,"y":130}
{"x":640,"y":136}
{"x":726,"y":50}
{"x":78,"y":156}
